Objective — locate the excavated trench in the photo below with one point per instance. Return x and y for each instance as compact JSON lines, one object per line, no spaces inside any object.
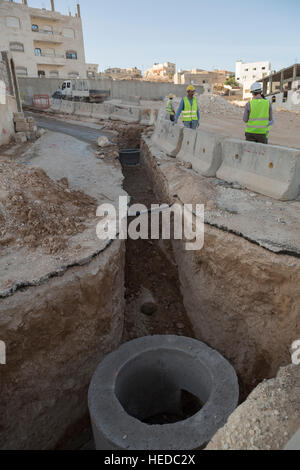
{"x":154,"y":303}
{"x":169,"y":291}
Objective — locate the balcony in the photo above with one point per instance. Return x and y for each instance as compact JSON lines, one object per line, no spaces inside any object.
{"x":48,"y":36}
{"x":50,"y":59}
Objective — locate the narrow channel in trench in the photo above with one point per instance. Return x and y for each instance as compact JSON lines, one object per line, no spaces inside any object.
{"x":154,"y":303}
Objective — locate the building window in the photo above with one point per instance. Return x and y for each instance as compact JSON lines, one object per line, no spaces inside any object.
{"x":41,"y":74}
{"x":254,"y":68}
{"x":35,"y":28}
{"x":263,"y":68}
{"x":69,"y":33}
{"x":12,"y":22}
{"x":71,"y":55}
{"x":16,"y":46}
{"x":37,"y":51}
{"x":53,"y":74}
{"x":21,"y":71}
{"x":73,"y":75}
{"x":246,"y":70}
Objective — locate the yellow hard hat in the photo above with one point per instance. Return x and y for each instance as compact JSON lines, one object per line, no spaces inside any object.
{"x":171,"y":96}
{"x":191,"y":88}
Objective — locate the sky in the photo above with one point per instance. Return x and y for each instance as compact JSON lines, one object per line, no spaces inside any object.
{"x":200,"y":34}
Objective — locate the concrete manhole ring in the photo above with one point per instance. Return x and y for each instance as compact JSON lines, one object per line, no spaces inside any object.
{"x":146,"y":378}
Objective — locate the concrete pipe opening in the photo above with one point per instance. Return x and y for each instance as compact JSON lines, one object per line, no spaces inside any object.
{"x":161,"y":393}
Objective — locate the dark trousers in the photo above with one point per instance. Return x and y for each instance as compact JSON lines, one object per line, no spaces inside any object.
{"x":259,"y":138}
{"x":172,"y":117}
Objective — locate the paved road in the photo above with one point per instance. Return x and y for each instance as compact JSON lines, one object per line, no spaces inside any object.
{"x":81,"y":132}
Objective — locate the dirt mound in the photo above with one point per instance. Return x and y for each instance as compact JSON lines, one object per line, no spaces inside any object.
{"x":217,"y":105}
{"x":37,"y":211}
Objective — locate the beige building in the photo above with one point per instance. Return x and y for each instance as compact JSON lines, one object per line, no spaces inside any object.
{"x":43,"y":43}
{"x":92,"y":71}
{"x":129,"y":73}
{"x":161,"y":72}
{"x":201,"y":77}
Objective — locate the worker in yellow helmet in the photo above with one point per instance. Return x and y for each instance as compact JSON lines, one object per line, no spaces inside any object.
{"x":170,"y":108}
{"x":190,"y":109}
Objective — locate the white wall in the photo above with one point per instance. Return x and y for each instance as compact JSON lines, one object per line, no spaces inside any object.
{"x":252,"y":71}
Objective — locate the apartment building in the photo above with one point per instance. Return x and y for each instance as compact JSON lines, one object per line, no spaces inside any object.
{"x":248,"y":73}
{"x":43,"y":43}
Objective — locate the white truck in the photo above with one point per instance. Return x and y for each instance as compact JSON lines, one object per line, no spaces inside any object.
{"x":79,"y":90}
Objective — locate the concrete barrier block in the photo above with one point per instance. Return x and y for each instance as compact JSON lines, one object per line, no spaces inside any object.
{"x":168,"y":137}
{"x":187,"y":150}
{"x":126,"y":114}
{"x":148,"y":117}
{"x":266,"y":169}
{"x":83,"y":109}
{"x":67,"y":107}
{"x":55,"y":104}
{"x":101,"y":111}
{"x":208,"y":153}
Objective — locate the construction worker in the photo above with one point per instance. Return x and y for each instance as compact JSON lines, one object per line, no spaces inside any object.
{"x":170,"y":108}
{"x":258,"y":115}
{"x":189,"y":109}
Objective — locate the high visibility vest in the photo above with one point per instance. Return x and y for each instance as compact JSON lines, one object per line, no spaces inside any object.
{"x":258,"y":122}
{"x":169,"y":107}
{"x":189,"y":112}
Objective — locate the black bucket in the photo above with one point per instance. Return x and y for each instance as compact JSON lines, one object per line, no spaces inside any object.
{"x":129,"y":157}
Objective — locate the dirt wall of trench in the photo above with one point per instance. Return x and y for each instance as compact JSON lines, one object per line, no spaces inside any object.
{"x":242,"y":300}
{"x":56,"y":333}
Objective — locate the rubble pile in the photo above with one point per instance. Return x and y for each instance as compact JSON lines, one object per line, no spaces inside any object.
{"x":38,"y":212}
{"x":217,"y":105}
{"x":25,"y":128}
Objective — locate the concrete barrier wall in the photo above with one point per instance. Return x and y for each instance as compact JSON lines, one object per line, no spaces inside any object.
{"x":168,"y":137}
{"x":267,"y":169}
{"x":118,"y":88}
{"x":203,"y":150}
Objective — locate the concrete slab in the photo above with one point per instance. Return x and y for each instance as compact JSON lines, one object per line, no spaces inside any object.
{"x":270,"y":170}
